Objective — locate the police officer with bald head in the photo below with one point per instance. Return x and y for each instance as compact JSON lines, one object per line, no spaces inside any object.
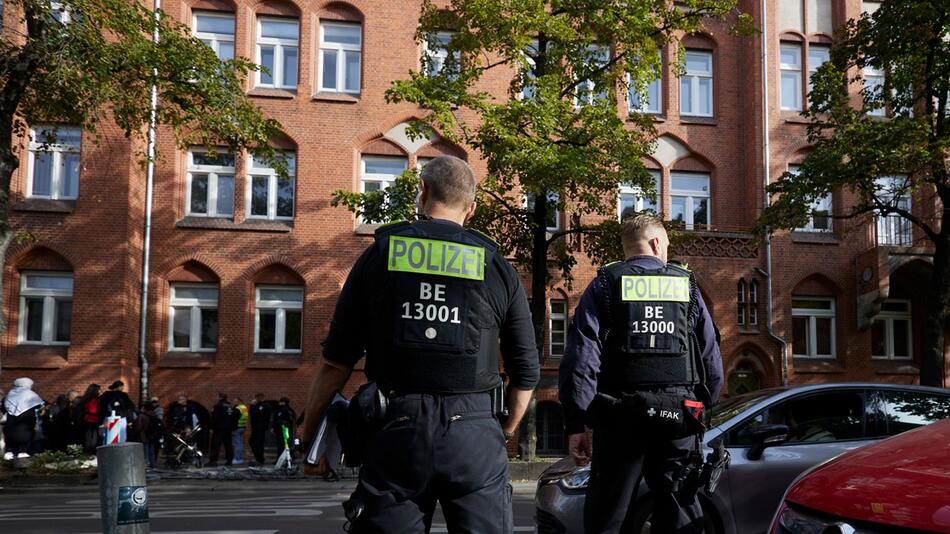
{"x":430,"y":303}
{"x":641,"y":363}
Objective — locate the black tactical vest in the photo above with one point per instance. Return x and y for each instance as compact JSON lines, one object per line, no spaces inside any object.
{"x":649,"y":341}
{"x":434,"y":329}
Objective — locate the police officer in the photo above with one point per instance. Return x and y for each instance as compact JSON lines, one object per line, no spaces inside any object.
{"x":428,"y":303}
{"x":641,"y":350}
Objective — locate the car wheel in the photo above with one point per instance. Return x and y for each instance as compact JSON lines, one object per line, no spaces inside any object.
{"x":640,"y":521}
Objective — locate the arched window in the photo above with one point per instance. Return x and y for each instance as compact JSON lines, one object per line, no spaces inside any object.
{"x":754,"y":303}
{"x":740,"y":303}
{"x":550,"y":428}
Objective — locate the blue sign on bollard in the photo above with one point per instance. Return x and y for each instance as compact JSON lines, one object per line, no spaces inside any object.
{"x":133,"y":505}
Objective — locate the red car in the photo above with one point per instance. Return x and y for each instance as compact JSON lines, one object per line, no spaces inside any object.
{"x":901,"y":484}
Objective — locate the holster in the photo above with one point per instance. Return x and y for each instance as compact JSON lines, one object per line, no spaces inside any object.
{"x":364,"y":416}
{"x":499,"y":408}
{"x":716,"y":463}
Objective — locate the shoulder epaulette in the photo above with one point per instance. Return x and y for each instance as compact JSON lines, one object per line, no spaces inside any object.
{"x":389,"y":228}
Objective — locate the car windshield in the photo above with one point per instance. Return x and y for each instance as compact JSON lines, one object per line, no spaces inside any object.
{"x":732,"y":406}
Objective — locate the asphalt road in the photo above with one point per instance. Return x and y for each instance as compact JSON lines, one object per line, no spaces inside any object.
{"x":208,"y":507}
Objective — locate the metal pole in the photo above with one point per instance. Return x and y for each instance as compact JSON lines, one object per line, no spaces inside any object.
{"x":766,"y":163}
{"x":123,"y":496}
{"x":147,"y":239}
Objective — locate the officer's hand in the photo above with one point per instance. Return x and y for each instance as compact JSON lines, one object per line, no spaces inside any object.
{"x":579,"y":447}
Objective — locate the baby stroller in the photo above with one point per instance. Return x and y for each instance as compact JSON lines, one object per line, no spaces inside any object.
{"x":184,"y":447}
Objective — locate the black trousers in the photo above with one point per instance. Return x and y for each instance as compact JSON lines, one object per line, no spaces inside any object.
{"x":218,"y":438}
{"x":433,"y":448}
{"x":621,"y":455}
{"x":257,"y":443}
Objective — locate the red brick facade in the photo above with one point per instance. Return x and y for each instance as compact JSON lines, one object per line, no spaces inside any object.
{"x":99,"y":236}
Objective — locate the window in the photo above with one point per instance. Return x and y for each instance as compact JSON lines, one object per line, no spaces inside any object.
{"x":550,"y":429}
{"x":217,"y":31}
{"x":873,"y":90}
{"x":819,"y":219}
{"x":380,"y":172}
{"x":754,"y":303}
{"x":891,"y":331}
{"x":270,"y":196}
{"x":689,"y":199}
{"x":209,"y":188}
{"x":893,"y":229}
{"x":278,"y":319}
{"x":824,"y":417}
{"x":632,"y":200}
{"x":817,"y":56}
{"x":813,"y":327}
{"x":340,"y":50}
{"x":696,"y":85}
{"x":193,"y":318}
{"x":907,"y":410}
{"x":60,"y":13}
{"x":277,"y":46}
{"x":46,"y":308}
{"x":557,"y":328}
{"x":527,"y":76}
{"x":587,"y":90}
{"x":54,"y":162}
{"x":791,"y":66}
{"x":740,"y":300}
{"x":651,"y":101}
{"x":554,"y":216}
{"x":806,"y":16}
{"x":436,"y":60}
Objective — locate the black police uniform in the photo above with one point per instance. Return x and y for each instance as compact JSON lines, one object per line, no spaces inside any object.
{"x":428,"y":303}
{"x":645,"y":416}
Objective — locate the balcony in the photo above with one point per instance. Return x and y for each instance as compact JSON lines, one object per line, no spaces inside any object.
{"x":893,"y":231}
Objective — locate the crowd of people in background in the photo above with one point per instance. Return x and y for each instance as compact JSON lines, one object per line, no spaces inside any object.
{"x":32,"y":425}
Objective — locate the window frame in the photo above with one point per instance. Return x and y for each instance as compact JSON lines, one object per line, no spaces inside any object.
{"x":212,"y":171}
{"x":440,"y":52}
{"x":825,"y":201}
{"x":640,"y":200}
{"x":215,"y":38}
{"x":272,"y":189}
{"x":341,"y":50}
{"x":690,"y":196}
{"x":280,"y":321}
{"x":554,"y":318}
{"x":194,"y":332}
{"x":786,"y":69}
{"x":753,"y":304}
{"x":694,"y":81}
{"x":49,"y":296}
{"x":57,"y":150}
{"x":868,"y":73}
{"x":552,"y":197}
{"x":603,"y":53}
{"x":812,"y":335}
{"x":279,"y":44}
{"x":892,"y":229}
{"x":888,"y":317}
{"x":741,"y":302}
{"x":634,"y":103}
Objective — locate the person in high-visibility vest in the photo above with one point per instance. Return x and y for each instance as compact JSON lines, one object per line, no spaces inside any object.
{"x":238,"y":436}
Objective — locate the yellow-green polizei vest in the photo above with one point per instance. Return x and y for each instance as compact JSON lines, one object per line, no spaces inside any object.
{"x":648,"y":342}
{"x":435,"y":331}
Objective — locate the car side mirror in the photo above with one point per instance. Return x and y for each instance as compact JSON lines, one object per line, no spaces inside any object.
{"x":765,"y":436}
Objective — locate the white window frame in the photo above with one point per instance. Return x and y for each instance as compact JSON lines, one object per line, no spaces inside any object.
{"x":826,"y":201}
{"x":813,"y":315}
{"x":645,"y":105}
{"x":753,"y":304}
{"x":212,"y":171}
{"x":384,"y":180}
{"x":552,"y":197}
{"x":60,"y":13}
{"x":741,"y":302}
{"x":790,"y":69}
{"x":57,"y":149}
{"x":215,"y":38}
{"x":888,"y":318}
{"x":690,"y":196}
{"x":555,"y":319}
{"x":603,"y":54}
{"x":812,"y":68}
{"x":640,"y":199}
{"x":694,"y":78}
{"x":528,"y":74}
{"x":280,"y":324}
{"x":49,"y":297}
{"x":340,"y":49}
{"x":442,"y":54}
{"x":272,"y":180}
{"x":195,"y":307}
{"x":874,"y":78}
{"x":893,"y":229}
{"x":279,"y":45}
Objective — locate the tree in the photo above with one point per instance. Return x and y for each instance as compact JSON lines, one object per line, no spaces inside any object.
{"x":84,"y":62}
{"x":890,"y":152}
{"x":556,"y":137}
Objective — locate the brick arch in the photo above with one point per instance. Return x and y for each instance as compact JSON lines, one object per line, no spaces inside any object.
{"x":442,"y":147}
{"x":197,"y":260}
{"x":793,"y":35}
{"x":692,"y":155}
{"x":651,"y":163}
{"x":43,"y":256}
{"x":282,"y":8}
{"x":757,"y":359}
{"x":340,"y":11}
{"x":816,"y":284}
{"x":383,"y":147}
{"x":281,"y":265}
{"x":799,"y":151}
{"x":701,"y":40}
{"x":193,"y":271}
{"x":379,"y":132}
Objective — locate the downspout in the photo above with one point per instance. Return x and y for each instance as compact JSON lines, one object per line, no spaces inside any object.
{"x":766,"y":200}
{"x":147,"y":239}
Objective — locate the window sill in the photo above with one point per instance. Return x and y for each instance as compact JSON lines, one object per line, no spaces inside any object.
{"x":815,"y":238}
{"x":185,"y":360}
{"x":817,"y":366}
{"x":895,"y":367}
{"x":36,"y":357}
{"x":249,"y":225}
{"x":748,"y":330}
{"x":794,"y":117}
{"x":707,"y":121}
{"x":263,"y":360}
{"x":657,"y":117}
{"x":46,"y":205}
{"x":349,"y":98}
{"x":366,"y":229}
{"x":268,"y":92}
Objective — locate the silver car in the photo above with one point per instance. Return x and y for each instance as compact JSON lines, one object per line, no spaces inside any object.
{"x":773,"y":435}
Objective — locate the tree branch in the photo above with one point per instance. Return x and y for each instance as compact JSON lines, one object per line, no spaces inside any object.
{"x":586,"y":230}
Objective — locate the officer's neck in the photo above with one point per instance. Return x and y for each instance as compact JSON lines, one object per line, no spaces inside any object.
{"x":445,"y":214}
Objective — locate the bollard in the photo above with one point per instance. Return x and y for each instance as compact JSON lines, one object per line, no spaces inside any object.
{"x":122,"y":492}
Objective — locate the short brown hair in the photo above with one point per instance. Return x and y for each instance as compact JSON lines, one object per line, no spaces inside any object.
{"x":636,"y":229}
{"x":450,"y":181}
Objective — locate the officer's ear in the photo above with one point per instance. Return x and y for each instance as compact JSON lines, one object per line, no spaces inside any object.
{"x":471,"y":211}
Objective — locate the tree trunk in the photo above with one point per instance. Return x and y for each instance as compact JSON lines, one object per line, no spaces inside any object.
{"x":932,"y":359}
{"x":8,"y":164}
